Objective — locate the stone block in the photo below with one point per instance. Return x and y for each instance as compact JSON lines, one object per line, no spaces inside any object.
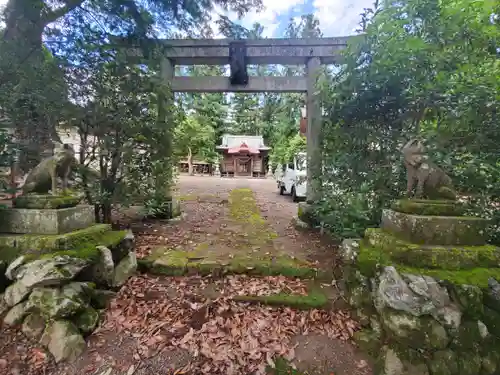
{"x":428,"y":207}
{"x":46,"y":221}
{"x":436,"y":230}
{"x":38,"y":243}
{"x":46,"y":201}
{"x":449,"y":257}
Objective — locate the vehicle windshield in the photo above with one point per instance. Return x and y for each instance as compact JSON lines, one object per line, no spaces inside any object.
{"x":301,"y":162}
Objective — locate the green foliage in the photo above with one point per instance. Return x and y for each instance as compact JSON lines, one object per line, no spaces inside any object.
{"x":192,"y":138}
{"x":423,"y":68}
{"x":287,"y":147}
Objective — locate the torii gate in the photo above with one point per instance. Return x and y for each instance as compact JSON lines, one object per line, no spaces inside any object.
{"x":239,"y":53}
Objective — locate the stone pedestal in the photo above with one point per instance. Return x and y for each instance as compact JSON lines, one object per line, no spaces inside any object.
{"x":435,"y":230}
{"x":46,"y":221}
{"x":270,"y":173}
{"x":217,"y":170}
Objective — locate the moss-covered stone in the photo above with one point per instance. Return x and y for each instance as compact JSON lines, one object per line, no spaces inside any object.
{"x":491,"y":319}
{"x":370,"y":257}
{"x":428,"y":207}
{"x":176,"y":263}
{"x":467,"y":337}
{"x":368,"y":341}
{"x":469,"y":297}
{"x":436,"y":230}
{"x":54,"y":303}
{"x":431,"y":256}
{"x":469,"y":362}
{"x":314,"y":300}
{"x":100,"y":298}
{"x":87,"y":320}
{"x":36,"y":244}
{"x":444,"y":362}
{"x":46,"y":201}
{"x":33,"y":326}
{"x":414,"y":332}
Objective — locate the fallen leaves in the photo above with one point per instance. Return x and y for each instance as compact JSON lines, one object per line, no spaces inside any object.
{"x":227,"y":337}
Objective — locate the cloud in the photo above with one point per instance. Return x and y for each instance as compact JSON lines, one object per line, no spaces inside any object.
{"x":339,"y":17}
{"x":268,"y":17}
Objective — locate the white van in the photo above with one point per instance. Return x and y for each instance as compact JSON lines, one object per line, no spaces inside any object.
{"x":294,"y":178}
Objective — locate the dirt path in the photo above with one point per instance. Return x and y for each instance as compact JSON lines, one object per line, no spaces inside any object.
{"x":191,"y":324}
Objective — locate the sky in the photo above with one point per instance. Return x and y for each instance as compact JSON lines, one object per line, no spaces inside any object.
{"x":337,"y":17}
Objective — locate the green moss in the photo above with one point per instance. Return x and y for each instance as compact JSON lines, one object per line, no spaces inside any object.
{"x":83,"y":245}
{"x":369,"y":257}
{"x":314,"y":300}
{"x":428,"y":207}
{"x":47,"y":201}
{"x":427,"y":256}
{"x":176,"y":262}
{"x":475,"y":276}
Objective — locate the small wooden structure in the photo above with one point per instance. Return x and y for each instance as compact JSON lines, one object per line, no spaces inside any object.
{"x":200,"y":167}
{"x":243,"y":156}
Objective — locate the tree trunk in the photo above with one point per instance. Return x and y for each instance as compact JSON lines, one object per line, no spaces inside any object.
{"x":190,"y":162}
{"x":24,"y":71}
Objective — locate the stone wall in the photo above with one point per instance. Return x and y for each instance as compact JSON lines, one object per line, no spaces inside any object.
{"x":56,"y":297}
{"x":422,"y":325}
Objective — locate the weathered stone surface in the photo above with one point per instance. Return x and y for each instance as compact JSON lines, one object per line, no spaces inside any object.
{"x":491,"y":319}
{"x":16,"y":314}
{"x":467,"y":337}
{"x":444,"y":362}
{"x":368,"y":341}
{"x":46,"y":201}
{"x":424,"y":297}
{"x":394,"y":365}
{"x":14,"y":267}
{"x":415,"y":332}
{"x":42,"y":272}
{"x":428,"y":207}
{"x":299,"y":224}
{"x":449,"y":257}
{"x":33,"y":326}
{"x":63,"y":341}
{"x":46,"y":221}
{"x":3,"y":305}
{"x":125,"y":246}
{"x":102,"y":271}
{"x":470,"y":299}
{"x":125,"y":269}
{"x":101,"y":297}
{"x":359,"y":294}
{"x":176,"y":208}
{"x":87,"y":320}
{"x":469,"y":362}
{"x":58,"y":303}
{"x":449,"y":316}
{"x":349,"y":250}
{"x":483,"y":330}
{"x":4,"y":281}
{"x":490,"y":362}
{"x":35,"y":243}
{"x":436,"y":230}
{"x":492,"y":296}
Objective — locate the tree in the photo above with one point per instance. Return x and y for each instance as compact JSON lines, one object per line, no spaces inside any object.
{"x":192,"y":138}
{"x":423,"y":68}
{"x":27,"y":79}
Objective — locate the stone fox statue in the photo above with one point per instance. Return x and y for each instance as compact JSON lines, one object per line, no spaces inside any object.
{"x":432,"y":182}
{"x":43,"y":177}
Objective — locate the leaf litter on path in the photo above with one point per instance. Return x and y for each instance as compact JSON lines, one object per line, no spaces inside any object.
{"x":227,"y":337}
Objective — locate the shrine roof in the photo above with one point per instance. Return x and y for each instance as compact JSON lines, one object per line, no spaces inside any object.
{"x":254,"y":143}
